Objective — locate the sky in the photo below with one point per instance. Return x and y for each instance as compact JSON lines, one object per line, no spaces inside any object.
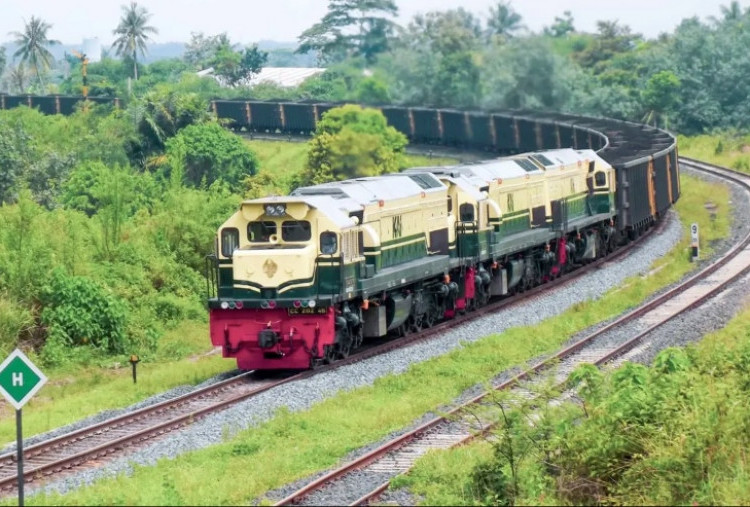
{"x":248,"y":21}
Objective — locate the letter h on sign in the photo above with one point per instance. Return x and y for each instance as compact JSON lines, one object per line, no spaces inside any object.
{"x":17,"y":379}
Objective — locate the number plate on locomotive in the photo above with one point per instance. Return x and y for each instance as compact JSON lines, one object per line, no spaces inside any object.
{"x":318,"y":310}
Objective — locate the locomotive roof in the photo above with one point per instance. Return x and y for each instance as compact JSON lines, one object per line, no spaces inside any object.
{"x":375,"y":188}
{"x":337,"y":210}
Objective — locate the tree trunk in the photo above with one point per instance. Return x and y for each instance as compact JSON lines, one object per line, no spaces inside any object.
{"x":39,"y":76}
{"x":135,"y":66}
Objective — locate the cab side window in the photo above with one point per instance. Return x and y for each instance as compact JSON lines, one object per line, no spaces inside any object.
{"x":230,"y":241}
{"x":600,"y":178}
{"x":466,"y":212}
{"x":328,"y":243}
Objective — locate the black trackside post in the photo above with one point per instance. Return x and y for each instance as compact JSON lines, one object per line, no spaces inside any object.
{"x":134,"y":360}
{"x":19,"y":456}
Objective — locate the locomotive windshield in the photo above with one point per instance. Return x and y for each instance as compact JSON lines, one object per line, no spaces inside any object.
{"x":296,"y":230}
{"x":260,"y":232}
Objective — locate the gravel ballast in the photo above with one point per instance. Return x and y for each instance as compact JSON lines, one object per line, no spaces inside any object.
{"x":303,"y":394}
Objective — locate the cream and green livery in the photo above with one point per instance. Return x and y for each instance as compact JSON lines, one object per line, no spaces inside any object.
{"x":307,"y":277}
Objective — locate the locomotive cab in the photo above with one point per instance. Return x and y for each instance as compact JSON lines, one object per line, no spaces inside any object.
{"x":283,"y":263}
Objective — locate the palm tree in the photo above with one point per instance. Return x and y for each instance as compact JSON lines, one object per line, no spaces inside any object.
{"x":17,"y":78}
{"x":732,"y":12}
{"x":504,"y":20}
{"x":33,"y":44}
{"x":132,"y":33}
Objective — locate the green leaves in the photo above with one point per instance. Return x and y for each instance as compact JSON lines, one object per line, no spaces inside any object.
{"x":352,"y":142}
{"x":78,"y":311}
{"x":209,"y":153}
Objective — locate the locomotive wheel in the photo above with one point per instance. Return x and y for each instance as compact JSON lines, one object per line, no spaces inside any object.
{"x":358,"y":338}
{"x":416,"y":322}
{"x":429,"y":318}
{"x":329,"y":354}
{"x":343,"y":349}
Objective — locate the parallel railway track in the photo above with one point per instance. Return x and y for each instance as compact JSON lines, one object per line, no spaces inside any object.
{"x":473,"y":418}
{"x":92,"y":445}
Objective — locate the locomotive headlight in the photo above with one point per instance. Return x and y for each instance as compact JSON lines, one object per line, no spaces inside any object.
{"x":224,"y":305}
{"x":311,"y":303}
{"x":275,"y":210}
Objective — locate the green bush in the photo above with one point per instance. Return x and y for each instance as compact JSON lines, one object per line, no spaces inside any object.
{"x":208,"y":153}
{"x":78,"y":311}
{"x":14,"y":319}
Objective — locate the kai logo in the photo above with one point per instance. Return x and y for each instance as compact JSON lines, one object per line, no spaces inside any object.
{"x":270,"y":268}
{"x":397,"y":226}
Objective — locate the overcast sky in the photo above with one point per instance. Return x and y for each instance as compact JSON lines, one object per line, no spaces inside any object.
{"x":249,"y":21}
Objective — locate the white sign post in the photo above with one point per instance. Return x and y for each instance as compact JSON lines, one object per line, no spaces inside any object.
{"x":20,"y":379}
{"x":694,"y":245}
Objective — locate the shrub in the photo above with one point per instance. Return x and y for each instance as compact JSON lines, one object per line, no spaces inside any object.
{"x":209,"y":153}
{"x":14,"y":319}
{"x":78,"y":311}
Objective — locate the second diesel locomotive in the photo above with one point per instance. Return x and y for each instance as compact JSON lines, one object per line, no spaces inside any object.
{"x":306,"y":278}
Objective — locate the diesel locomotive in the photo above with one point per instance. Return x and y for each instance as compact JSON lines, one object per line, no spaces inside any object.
{"x":308,"y":277}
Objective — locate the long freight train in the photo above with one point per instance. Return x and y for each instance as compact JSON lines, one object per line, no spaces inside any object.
{"x":308,"y":277}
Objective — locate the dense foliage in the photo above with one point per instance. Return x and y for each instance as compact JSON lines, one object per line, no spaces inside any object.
{"x":691,"y":80}
{"x":351,"y":142}
{"x":673,"y":433}
{"x":99,"y":256}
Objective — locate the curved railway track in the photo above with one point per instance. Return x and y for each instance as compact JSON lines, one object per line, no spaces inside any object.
{"x":475,"y":417}
{"x":92,"y":445}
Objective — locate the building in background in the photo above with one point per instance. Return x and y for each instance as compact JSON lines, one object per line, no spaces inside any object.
{"x":287,"y":77}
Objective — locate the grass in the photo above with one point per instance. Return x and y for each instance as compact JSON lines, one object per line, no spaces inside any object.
{"x":73,"y":393}
{"x":728,"y":150}
{"x":294,"y":445}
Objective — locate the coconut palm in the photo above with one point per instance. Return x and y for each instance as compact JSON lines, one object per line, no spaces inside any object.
{"x":132,"y":33}
{"x":32,"y":45}
{"x":17,"y":78}
{"x":504,"y":21}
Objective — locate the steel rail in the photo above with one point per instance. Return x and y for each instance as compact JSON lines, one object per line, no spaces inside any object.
{"x":425,"y":429}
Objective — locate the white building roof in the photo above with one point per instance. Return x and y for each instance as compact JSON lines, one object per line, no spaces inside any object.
{"x":282,"y":76}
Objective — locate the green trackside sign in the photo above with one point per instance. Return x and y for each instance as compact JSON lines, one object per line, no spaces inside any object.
{"x":19,"y":379}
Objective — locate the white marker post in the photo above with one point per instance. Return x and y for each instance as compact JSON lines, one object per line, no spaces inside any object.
{"x":20,"y":379}
{"x":694,"y":246}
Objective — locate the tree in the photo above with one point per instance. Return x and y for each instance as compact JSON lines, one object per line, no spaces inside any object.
{"x":201,"y":49}
{"x":504,"y":21}
{"x":562,"y":26}
{"x":3,"y":60}
{"x":33,"y":44}
{"x":731,"y":12}
{"x":132,"y":34}
{"x":612,"y":40}
{"x":352,"y":142}
{"x":159,"y":116}
{"x":436,"y":60}
{"x":17,"y":78}
{"x":661,"y":95}
{"x":209,"y":152}
{"x":238,"y":66}
{"x":351,"y":28}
